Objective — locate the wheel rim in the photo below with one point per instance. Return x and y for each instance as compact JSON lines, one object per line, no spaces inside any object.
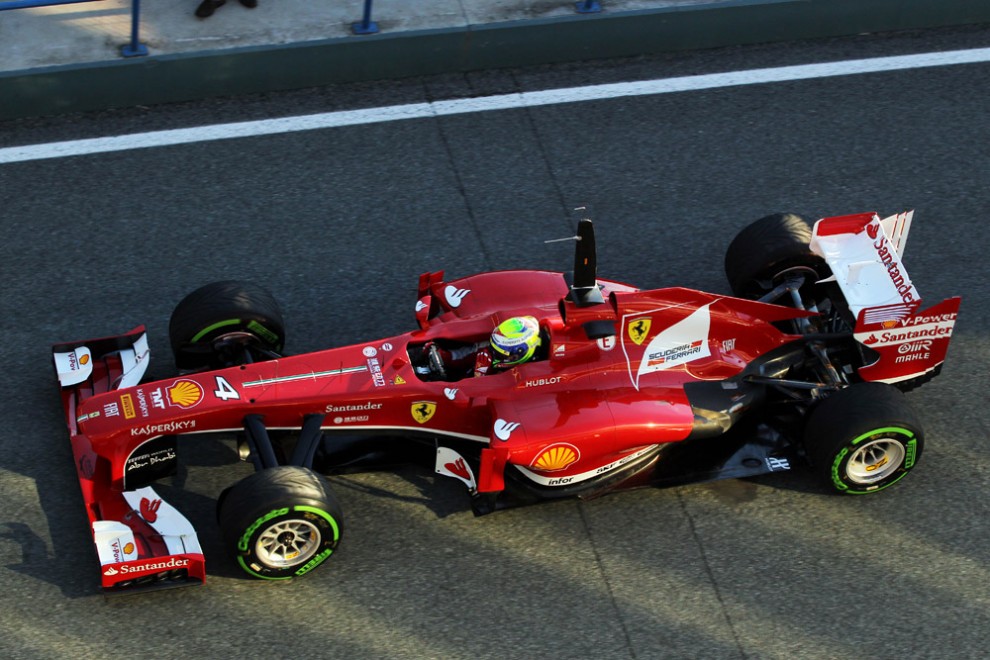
{"x":875,"y":461}
{"x":288,"y":543}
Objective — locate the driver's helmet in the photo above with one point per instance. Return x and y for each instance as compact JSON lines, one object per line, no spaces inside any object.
{"x":515,"y":340}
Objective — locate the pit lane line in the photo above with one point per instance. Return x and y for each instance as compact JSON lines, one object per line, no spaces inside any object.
{"x":488,"y":103}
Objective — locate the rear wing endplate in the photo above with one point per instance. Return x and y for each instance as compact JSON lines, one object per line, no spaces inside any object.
{"x":864,"y":253}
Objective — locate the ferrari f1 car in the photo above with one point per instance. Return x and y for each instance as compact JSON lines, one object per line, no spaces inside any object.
{"x":804,"y":363}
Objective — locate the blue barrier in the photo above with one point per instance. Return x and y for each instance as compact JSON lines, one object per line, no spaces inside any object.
{"x":587,"y":7}
{"x":27,"y":4}
{"x":132,"y":49}
{"x":365,"y":25}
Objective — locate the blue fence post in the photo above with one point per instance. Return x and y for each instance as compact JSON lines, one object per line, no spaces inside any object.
{"x":366,"y":25}
{"x":135,"y":48}
{"x":587,"y":7}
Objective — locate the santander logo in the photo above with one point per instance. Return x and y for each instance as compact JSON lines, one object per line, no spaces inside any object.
{"x":504,"y":429}
{"x":455,"y":296}
{"x":149,"y":509}
{"x":459,"y":468}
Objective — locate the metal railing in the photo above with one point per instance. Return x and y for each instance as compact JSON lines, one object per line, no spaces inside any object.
{"x":134,"y":48}
{"x":368,"y":26}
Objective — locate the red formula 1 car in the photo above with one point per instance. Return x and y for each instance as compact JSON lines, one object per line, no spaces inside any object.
{"x":631,"y":387}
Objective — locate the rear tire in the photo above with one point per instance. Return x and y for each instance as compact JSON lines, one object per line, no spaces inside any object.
{"x":763,"y":254}
{"x":281,"y":522}
{"x":225,"y":323}
{"x":863,"y":438}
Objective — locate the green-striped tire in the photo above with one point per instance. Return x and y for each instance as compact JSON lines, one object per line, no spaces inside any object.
{"x":214,"y":325}
{"x":863,"y":438}
{"x":281,"y":522}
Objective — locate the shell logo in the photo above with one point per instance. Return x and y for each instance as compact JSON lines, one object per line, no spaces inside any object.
{"x":84,"y":359}
{"x":184,"y":393}
{"x":129,"y":548}
{"x":556,"y":457}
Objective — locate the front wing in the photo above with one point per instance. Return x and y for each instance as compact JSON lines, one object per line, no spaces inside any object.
{"x":141,"y":540}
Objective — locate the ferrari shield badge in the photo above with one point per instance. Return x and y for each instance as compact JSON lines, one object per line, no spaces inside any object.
{"x":422,"y":411}
{"x":639,"y":329}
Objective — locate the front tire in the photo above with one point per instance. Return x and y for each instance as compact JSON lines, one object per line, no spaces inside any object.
{"x":863,"y":438}
{"x":225,"y":323}
{"x":281,"y":522}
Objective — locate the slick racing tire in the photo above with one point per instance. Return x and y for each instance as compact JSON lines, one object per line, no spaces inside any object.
{"x":281,"y":522}
{"x":763,"y":254}
{"x":863,"y":438}
{"x":225,"y":323}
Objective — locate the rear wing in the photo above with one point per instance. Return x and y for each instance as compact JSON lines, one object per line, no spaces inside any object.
{"x":864,"y":253}
{"x":141,"y":540}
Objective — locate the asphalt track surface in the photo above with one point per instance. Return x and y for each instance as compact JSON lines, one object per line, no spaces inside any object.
{"x":339,"y":223}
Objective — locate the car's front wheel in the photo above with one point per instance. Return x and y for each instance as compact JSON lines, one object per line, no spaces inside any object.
{"x":863,"y":438}
{"x":226,"y":323}
{"x":281,"y":522}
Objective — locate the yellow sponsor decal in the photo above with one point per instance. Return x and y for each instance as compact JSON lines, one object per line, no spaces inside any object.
{"x":422,"y":411}
{"x":399,"y":380}
{"x":185,"y":393}
{"x":127,"y":405}
{"x":639,"y":329}
{"x":877,"y":466}
{"x":556,"y":457}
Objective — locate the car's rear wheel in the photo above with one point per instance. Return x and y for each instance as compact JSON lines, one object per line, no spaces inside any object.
{"x":768,"y":252}
{"x":281,"y":522}
{"x":863,"y":438}
{"x":226,"y":323}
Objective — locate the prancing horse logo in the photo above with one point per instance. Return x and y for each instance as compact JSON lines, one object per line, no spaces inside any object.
{"x":639,"y":329}
{"x":422,"y":411}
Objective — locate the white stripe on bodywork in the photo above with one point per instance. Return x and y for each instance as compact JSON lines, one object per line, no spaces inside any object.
{"x":305,"y":376}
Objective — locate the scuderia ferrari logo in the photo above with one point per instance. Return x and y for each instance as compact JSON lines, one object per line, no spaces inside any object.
{"x":639,"y":329}
{"x":422,"y":411}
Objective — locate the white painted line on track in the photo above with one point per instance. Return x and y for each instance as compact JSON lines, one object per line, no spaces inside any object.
{"x":488,"y":103}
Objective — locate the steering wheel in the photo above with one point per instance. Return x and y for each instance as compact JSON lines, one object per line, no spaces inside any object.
{"x":436,"y":363}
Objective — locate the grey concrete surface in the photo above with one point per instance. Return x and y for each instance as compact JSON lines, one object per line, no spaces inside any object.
{"x":68,"y":58}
